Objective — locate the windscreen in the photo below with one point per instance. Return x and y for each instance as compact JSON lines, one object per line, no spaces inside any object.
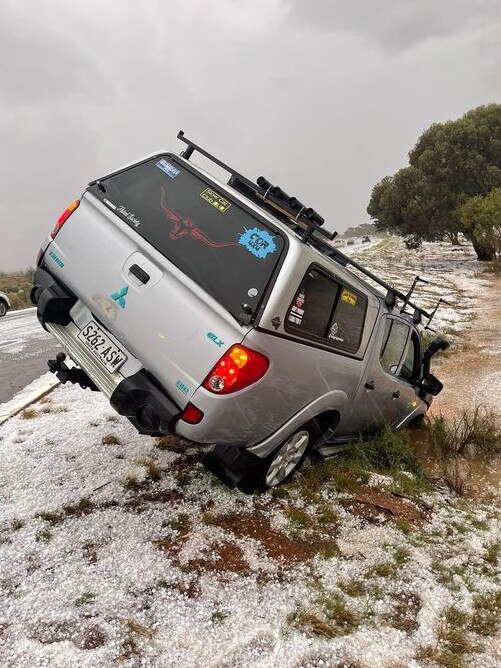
{"x":207,"y":235}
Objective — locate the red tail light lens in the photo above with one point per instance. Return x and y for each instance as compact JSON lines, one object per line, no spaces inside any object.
{"x":191,"y":414}
{"x":64,"y":217}
{"x":236,"y":369}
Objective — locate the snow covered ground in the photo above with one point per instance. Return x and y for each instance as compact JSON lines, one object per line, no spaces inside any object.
{"x":118,"y":549}
{"x":121,"y":550}
{"x":453,"y":273}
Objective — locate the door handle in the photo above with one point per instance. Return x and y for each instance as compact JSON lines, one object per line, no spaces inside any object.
{"x":139,"y":273}
{"x":396,"y":394}
{"x":369,"y":385}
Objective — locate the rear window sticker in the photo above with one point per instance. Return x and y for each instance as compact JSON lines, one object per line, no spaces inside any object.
{"x":295,"y":319}
{"x":349,"y":297}
{"x":129,"y":215}
{"x":333,"y":333}
{"x":300,"y":300}
{"x":298,"y":311}
{"x":169,"y":169}
{"x":185,"y":227}
{"x":258,"y":242}
{"x":215,"y":199}
{"x":252,"y":292}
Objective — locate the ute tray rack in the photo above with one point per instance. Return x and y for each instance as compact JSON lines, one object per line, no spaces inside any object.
{"x":306,"y":223}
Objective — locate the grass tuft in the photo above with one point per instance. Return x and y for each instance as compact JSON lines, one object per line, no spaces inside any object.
{"x":110,"y":439}
{"x":298,"y":518}
{"x":492,"y":553}
{"x":29,"y":413}
{"x":218,"y":616}
{"x":486,"y":618}
{"x":85,"y":599}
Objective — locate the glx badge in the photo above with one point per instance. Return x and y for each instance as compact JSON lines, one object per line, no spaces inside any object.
{"x":120,"y":296}
{"x":217,"y":341}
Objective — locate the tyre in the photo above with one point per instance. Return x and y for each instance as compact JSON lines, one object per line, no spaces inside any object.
{"x":282,"y":463}
{"x":3,"y":307}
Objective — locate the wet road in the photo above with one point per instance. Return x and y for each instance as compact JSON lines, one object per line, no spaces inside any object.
{"x":25,"y":348}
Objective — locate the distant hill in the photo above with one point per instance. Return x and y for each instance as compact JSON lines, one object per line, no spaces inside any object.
{"x":359,"y":231}
{"x":17,"y":286}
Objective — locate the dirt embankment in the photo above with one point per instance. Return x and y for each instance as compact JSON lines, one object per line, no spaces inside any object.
{"x":471,"y":369}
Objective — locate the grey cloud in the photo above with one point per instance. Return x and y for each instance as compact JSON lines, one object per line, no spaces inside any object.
{"x":395,"y":25}
{"x":295,"y":92}
{"x":39,"y":64}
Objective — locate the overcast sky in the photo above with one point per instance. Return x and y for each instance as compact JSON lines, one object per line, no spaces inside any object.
{"x":324,"y":97}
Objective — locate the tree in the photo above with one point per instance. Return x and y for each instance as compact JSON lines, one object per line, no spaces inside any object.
{"x":483,"y":216}
{"x":451,"y":163}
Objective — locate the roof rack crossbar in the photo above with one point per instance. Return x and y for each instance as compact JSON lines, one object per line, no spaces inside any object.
{"x":312,"y":233}
{"x":294,"y":218}
{"x":345,"y":259}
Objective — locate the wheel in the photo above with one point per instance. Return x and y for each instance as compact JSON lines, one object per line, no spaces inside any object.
{"x":281,"y":464}
{"x":3,"y":307}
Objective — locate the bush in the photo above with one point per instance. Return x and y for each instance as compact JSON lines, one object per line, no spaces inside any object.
{"x":475,"y":432}
{"x":389,"y":451}
{"x":17,"y":287}
{"x":494,"y":267}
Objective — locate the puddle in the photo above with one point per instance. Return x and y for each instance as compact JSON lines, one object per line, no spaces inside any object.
{"x":481,"y":476}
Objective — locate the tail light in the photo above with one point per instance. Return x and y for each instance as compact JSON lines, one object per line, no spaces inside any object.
{"x":64,"y":217}
{"x":238,"y":368}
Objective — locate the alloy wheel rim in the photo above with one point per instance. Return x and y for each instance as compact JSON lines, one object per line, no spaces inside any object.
{"x":287,"y":458}
{"x":3,"y":309}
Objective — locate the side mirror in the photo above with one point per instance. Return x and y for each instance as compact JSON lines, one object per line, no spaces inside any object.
{"x":430,"y":384}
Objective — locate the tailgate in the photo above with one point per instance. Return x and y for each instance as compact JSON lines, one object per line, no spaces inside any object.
{"x":165,"y":270}
{"x":171,"y":325}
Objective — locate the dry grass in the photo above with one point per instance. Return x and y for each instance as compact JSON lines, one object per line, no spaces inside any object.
{"x":329,"y":617}
{"x":486,"y":618}
{"x":17,"y":287}
{"x":110,"y":439}
{"x":29,"y":413}
{"x":475,"y":432}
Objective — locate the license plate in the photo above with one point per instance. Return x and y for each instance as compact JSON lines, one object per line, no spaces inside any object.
{"x":110,"y":355}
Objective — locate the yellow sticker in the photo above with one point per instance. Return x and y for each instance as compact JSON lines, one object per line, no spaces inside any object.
{"x":216,"y":200}
{"x":349,"y":297}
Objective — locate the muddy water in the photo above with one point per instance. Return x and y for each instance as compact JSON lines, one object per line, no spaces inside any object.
{"x":471,"y":373}
{"x":477,"y":477}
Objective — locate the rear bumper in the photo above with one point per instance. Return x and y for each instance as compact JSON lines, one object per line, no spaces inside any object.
{"x":138,"y":397}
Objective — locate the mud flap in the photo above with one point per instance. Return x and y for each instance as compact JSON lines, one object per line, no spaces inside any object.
{"x":230,"y":464}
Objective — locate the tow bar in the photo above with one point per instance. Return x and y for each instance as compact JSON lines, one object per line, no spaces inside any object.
{"x":68,"y":374}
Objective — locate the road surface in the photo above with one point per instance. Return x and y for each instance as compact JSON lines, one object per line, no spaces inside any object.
{"x":25,"y":348}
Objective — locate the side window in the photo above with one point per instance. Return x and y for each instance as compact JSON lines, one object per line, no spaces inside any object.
{"x":324,"y":309}
{"x":346,"y":326}
{"x":410,"y":366}
{"x":394,"y":341}
{"x":311,"y":311}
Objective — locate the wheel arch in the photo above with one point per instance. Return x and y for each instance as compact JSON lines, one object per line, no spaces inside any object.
{"x":324,"y":412}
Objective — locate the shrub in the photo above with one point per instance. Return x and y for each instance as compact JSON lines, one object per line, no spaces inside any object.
{"x":476,"y":431}
{"x":389,"y":451}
